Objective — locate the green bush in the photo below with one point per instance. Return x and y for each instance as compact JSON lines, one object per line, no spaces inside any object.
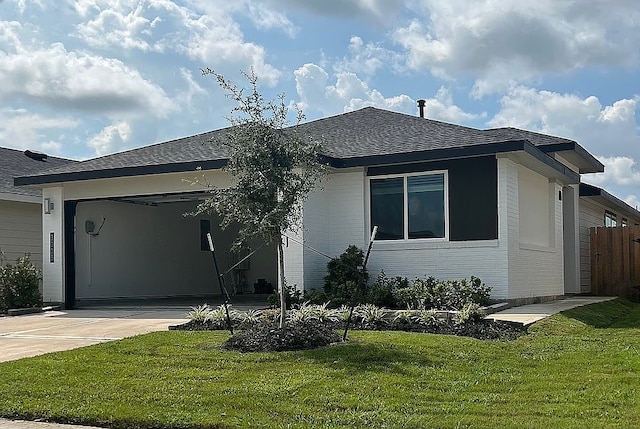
{"x":346,"y":279}
{"x":383,"y":292}
{"x":418,"y":296}
{"x":20,"y":284}
{"x":292,"y":298}
{"x":443,"y":295}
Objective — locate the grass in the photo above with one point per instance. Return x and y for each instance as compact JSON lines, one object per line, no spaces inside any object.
{"x":574,"y":370}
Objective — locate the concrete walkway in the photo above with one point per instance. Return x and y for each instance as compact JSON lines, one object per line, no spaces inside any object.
{"x":52,"y":331}
{"x":528,"y":314}
{"x":22,"y":424}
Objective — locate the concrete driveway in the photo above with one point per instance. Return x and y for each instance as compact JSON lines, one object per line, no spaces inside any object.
{"x":36,"y":334}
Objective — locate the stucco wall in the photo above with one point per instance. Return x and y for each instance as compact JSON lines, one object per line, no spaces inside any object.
{"x":21,"y":231}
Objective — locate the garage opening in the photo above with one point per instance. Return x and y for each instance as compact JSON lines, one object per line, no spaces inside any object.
{"x":146,"y":248}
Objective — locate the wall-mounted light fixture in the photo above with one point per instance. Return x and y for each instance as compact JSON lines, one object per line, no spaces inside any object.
{"x":48,"y":206}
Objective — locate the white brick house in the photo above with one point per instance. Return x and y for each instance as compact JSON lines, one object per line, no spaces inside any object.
{"x":449,"y":201}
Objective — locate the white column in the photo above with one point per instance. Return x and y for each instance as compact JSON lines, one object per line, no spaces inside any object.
{"x":52,"y":245}
{"x":571,"y":236}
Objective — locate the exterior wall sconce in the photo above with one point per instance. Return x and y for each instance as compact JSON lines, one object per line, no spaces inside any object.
{"x":48,"y":206}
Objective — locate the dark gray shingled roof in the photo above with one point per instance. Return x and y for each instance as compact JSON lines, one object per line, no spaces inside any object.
{"x":362,"y":137}
{"x":15,"y":163}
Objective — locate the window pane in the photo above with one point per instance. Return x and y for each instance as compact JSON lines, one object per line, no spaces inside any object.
{"x":610,"y":219}
{"x":426,"y":206}
{"x":387,"y":208}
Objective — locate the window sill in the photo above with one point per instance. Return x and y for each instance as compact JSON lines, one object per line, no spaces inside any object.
{"x":432,"y":244}
{"x":537,"y":248}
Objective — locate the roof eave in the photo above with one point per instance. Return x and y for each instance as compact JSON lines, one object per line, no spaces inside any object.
{"x":510,"y":146}
{"x":146,"y":170}
{"x":602,"y":196}
{"x":586,"y":162}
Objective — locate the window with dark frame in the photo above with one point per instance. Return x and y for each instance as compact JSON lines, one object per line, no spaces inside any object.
{"x":610,"y":219}
{"x":624,"y":222}
{"x":409,"y":206}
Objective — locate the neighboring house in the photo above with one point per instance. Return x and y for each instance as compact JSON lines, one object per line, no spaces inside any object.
{"x":599,"y":208}
{"x":449,"y":201}
{"x":21,"y":208}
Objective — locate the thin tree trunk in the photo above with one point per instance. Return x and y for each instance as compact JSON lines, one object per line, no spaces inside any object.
{"x":281,"y":285}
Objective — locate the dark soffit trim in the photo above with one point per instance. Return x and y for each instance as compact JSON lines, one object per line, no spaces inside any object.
{"x":120,"y":172}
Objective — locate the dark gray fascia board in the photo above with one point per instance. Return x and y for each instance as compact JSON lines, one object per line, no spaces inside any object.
{"x":598,"y":167}
{"x":458,"y":152}
{"x":591,"y":191}
{"x":551,"y":162}
{"x":429,"y":155}
{"x":119,"y":172}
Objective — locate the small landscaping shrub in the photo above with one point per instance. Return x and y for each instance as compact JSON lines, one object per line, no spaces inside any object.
{"x":301,"y":335}
{"x":249,"y":318}
{"x":371,"y":317}
{"x":470,"y":312}
{"x":293,"y":297}
{"x":20,"y":284}
{"x":200,"y":313}
{"x":204,"y":318}
{"x":383,"y":292}
{"x":419,"y":295}
{"x":425,"y":318}
{"x":443,"y":295}
{"x":315,"y":296}
{"x":402,"y":320}
{"x":346,"y":279}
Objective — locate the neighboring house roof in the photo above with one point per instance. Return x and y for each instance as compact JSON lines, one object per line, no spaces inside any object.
{"x":14,"y":163}
{"x":368,"y":136}
{"x":606,"y":199}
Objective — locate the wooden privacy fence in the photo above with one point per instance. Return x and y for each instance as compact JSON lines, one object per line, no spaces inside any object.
{"x":615,"y":261}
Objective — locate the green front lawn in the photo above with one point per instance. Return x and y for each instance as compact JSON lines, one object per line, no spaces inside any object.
{"x":579,"y":369}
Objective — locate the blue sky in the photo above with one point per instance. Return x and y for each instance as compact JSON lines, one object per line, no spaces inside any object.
{"x":84,"y":78}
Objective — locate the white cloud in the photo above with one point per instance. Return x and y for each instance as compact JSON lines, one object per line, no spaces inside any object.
{"x":185,"y":98}
{"x":603,"y":130}
{"x":367,"y":58}
{"x":118,"y":24}
{"x":380,"y":11}
{"x":61,"y":79}
{"x":618,"y":170}
{"x":350,"y":93}
{"x":111,"y":138}
{"x":265,"y":18}
{"x":202,"y":30}
{"x":496,"y":41}
{"x":442,"y":108}
{"x":21,"y":129}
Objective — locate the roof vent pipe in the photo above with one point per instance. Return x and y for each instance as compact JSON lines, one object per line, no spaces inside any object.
{"x":421,"y":104}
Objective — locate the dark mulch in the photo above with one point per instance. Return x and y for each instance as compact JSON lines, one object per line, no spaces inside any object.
{"x":311,"y":334}
{"x":304,"y":335}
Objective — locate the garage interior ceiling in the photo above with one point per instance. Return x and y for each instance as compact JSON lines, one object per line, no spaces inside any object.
{"x":156,"y":200}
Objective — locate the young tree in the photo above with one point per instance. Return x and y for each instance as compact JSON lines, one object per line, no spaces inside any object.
{"x":273,"y":168}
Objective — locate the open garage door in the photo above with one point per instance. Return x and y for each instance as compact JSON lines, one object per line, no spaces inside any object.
{"x":146,"y":248}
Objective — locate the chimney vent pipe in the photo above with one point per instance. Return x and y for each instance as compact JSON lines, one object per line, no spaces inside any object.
{"x":421,"y":104}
